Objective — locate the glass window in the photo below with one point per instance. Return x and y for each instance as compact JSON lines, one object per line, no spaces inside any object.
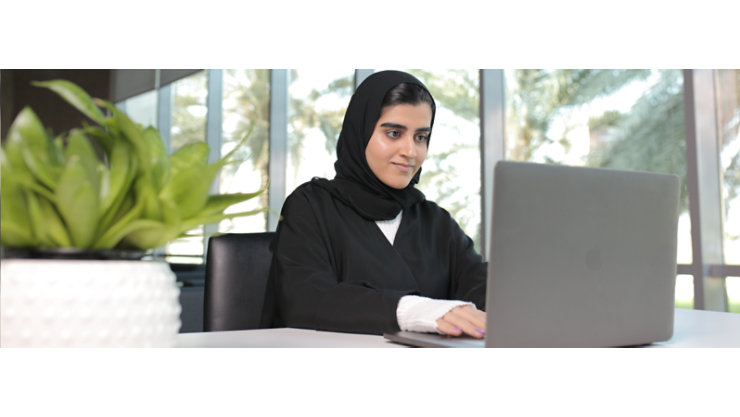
{"x":684,"y":291}
{"x":141,"y":109}
{"x":189,"y":110}
{"x":246,"y":105}
{"x":621,"y":119}
{"x":733,"y":294}
{"x":451,"y":175}
{"x":317,"y":102}
{"x":728,"y":114}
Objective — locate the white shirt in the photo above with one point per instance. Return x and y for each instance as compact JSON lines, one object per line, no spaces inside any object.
{"x":416,"y":313}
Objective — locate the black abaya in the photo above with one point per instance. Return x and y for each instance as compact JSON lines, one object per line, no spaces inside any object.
{"x":335,"y":270}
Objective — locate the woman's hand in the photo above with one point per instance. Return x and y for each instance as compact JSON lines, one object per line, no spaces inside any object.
{"x":463,"y":319}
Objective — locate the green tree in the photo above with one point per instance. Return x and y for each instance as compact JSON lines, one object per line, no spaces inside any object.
{"x":537,"y":96}
{"x":251,"y":107}
{"x":458,"y":92}
{"x":189,"y":110}
{"x":650,"y":137}
{"x":305,"y":115}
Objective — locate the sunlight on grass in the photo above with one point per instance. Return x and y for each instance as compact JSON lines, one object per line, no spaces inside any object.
{"x":733,"y":294}
{"x":684,"y":291}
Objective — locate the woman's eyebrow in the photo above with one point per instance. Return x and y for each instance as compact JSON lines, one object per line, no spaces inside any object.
{"x":394,"y":125}
{"x":397,"y":126}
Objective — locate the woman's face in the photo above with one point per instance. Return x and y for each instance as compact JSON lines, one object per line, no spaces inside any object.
{"x":398,"y":145}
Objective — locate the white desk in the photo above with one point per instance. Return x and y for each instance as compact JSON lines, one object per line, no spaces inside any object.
{"x":282,"y":338}
{"x":692,"y":328}
{"x":701,"y":328}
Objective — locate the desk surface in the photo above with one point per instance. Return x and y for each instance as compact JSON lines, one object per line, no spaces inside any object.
{"x":702,"y":328}
{"x":692,"y":328}
{"x":282,"y":338}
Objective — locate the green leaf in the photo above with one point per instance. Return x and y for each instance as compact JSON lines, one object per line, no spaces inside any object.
{"x":46,"y":225}
{"x":146,"y":193}
{"x":16,"y":236}
{"x":14,"y":218}
{"x":55,"y":229}
{"x":144,"y":234}
{"x":105,"y":139}
{"x":219,"y":203}
{"x":132,"y":133}
{"x":74,"y":95}
{"x":28,"y":149}
{"x":159,"y":158}
{"x":41,"y":157}
{"x":132,"y":195}
{"x":37,"y":188}
{"x":189,"y":157}
{"x":128,"y":212}
{"x":57,"y":152}
{"x":78,"y":146}
{"x":36,"y":219}
{"x":189,"y":189}
{"x":170,"y":211}
{"x":121,"y":186}
{"x":78,"y":203}
{"x":119,"y":178}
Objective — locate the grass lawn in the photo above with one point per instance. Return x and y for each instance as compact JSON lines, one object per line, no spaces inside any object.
{"x":685,"y":293}
{"x":733,"y":294}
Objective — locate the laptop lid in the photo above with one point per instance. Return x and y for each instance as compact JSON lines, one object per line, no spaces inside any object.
{"x":579,"y":257}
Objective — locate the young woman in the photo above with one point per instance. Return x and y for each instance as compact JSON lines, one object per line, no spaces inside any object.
{"x":365,"y":252}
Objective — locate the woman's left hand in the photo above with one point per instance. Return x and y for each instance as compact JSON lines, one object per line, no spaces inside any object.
{"x":463,"y":319}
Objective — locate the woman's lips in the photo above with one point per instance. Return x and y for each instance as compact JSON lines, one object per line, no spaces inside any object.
{"x":403,"y":167}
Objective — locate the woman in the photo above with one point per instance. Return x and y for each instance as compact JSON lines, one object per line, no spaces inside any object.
{"x":365,"y":252}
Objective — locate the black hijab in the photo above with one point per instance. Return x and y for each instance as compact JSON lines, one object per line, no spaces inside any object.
{"x":355,"y":184}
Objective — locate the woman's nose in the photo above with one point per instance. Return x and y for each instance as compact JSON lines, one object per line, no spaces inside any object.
{"x":408,"y":147}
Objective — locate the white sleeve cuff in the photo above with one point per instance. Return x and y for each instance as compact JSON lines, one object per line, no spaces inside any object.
{"x":420,"y":314}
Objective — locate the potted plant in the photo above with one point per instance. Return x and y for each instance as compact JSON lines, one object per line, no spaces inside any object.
{"x":102,"y":194}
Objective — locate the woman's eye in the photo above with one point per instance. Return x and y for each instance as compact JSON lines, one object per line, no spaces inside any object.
{"x":422,"y":138}
{"x":393,"y":134}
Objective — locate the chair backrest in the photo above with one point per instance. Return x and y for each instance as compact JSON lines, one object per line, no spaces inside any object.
{"x":237,"y":271}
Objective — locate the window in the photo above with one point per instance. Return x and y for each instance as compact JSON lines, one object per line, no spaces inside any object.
{"x":141,"y":109}
{"x":733,"y":294}
{"x":246,"y":107}
{"x":189,"y":110}
{"x":317,"y":102}
{"x":684,"y":291}
{"x":189,"y":113}
{"x":451,"y":175}
{"x":728,"y":122}
{"x":621,"y":119}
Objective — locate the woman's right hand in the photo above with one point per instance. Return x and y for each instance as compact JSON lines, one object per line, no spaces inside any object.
{"x":463,"y":319}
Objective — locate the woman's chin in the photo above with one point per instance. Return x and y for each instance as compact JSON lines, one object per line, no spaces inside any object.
{"x":399,"y":185}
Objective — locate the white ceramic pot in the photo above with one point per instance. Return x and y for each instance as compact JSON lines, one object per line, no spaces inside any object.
{"x":87,"y":303}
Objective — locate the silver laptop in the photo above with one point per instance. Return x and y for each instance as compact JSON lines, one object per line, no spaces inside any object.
{"x":579,"y":257}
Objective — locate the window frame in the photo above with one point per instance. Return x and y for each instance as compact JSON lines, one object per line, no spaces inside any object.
{"x":707,"y":268}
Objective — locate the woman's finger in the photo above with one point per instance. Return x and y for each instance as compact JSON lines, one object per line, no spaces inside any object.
{"x":473,"y":315}
{"x":460,"y":321}
{"x":448,"y":328}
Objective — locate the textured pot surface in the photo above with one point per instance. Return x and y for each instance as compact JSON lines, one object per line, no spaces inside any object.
{"x":87,"y":303}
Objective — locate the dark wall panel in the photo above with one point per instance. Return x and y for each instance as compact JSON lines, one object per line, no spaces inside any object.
{"x":17,"y":92}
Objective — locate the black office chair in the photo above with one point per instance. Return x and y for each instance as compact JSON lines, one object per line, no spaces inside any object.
{"x":237,"y":296}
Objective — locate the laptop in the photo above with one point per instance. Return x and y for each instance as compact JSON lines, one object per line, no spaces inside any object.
{"x":579,"y":257}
